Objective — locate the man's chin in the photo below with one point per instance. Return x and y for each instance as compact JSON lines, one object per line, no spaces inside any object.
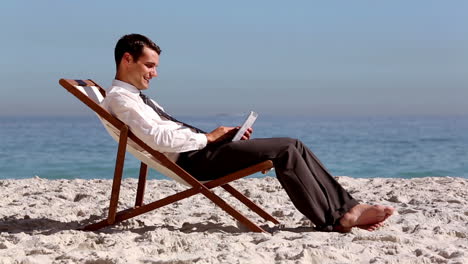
{"x":143,"y":87}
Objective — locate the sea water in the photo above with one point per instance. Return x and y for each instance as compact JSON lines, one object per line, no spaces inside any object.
{"x":402,"y":147}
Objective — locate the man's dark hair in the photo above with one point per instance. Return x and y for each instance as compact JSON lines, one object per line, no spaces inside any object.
{"x":133,"y":44}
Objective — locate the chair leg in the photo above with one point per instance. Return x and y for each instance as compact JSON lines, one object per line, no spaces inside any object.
{"x":132,"y":212}
{"x":249,"y":203}
{"x":119,"y":164}
{"x":196,"y":189}
{"x":141,"y":185}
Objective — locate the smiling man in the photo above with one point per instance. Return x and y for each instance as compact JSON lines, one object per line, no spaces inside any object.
{"x":312,"y":189}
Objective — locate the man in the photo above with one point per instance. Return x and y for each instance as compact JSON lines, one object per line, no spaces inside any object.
{"x":312,"y":189}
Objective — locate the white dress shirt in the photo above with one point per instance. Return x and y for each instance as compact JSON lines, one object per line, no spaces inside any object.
{"x":124,"y":102}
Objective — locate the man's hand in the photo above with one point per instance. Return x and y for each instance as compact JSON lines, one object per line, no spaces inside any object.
{"x":224,"y":133}
{"x":221,"y":133}
{"x":247,"y":133}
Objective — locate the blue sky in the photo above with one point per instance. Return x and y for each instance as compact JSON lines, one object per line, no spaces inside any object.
{"x":275,"y":57}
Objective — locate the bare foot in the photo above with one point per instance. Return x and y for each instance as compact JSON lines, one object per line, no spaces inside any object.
{"x":368,"y":217}
{"x":341,"y":229}
{"x":371,"y":227}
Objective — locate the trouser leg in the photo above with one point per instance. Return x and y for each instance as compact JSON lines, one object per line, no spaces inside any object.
{"x":313,"y":191}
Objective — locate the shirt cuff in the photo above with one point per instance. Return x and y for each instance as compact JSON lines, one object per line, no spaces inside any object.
{"x":201,"y":139}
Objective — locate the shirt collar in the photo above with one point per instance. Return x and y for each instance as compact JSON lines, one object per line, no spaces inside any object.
{"x":126,"y":86}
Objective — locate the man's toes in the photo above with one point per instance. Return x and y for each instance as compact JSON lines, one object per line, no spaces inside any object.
{"x":371,"y":227}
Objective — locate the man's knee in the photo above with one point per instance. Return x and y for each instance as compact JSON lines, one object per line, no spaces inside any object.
{"x":294,"y":145}
{"x":289,"y":144}
{"x":293,"y":142}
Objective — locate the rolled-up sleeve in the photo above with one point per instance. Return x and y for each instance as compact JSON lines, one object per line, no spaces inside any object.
{"x":162,"y":135}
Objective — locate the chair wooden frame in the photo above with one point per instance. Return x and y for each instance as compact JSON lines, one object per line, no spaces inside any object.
{"x":196,"y":187}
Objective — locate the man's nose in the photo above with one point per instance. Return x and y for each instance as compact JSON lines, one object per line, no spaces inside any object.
{"x":154,"y":73}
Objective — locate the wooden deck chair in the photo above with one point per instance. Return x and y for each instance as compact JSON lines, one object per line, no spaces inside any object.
{"x":92,"y":94}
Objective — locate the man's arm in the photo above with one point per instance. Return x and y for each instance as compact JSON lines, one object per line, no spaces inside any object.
{"x":225,"y":133}
{"x":164,"y":136}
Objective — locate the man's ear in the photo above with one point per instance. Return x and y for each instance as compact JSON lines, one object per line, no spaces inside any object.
{"x":127,"y":58}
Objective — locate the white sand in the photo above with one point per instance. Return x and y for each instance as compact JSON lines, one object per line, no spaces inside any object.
{"x":38,"y":218}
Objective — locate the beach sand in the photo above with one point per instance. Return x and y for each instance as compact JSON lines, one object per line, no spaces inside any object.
{"x":39,"y":218}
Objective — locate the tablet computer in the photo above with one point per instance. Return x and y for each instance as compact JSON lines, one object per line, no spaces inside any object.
{"x":248,"y":123}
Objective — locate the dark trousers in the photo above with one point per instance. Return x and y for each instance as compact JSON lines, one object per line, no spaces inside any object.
{"x":311,"y":188}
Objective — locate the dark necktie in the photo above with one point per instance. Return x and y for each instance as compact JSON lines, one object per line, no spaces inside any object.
{"x":161,"y":113}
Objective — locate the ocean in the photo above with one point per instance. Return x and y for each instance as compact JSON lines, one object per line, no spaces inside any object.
{"x":360,"y":147}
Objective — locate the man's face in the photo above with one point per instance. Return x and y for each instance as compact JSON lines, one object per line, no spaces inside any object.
{"x":142,"y":71}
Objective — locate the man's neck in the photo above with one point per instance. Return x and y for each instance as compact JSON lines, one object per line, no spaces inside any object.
{"x":122,"y":78}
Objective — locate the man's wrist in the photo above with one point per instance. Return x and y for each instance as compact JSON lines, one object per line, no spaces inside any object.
{"x":208,"y":138}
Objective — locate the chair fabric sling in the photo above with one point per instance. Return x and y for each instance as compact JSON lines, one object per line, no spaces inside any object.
{"x":91,"y":94}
